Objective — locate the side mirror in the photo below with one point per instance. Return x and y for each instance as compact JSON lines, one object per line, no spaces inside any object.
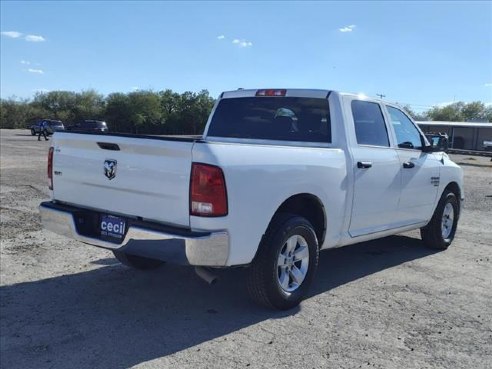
{"x":438,"y":142}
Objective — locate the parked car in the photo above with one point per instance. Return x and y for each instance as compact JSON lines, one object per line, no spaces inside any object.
{"x":49,"y":126}
{"x":89,"y":125}
{"x":277,"y":176}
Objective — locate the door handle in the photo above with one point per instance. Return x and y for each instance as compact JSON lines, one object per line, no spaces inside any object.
{"x":364,"y":164}
{"x":408,"y":165}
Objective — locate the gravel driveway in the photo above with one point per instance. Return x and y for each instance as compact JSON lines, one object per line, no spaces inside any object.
{"x":389,"y":303}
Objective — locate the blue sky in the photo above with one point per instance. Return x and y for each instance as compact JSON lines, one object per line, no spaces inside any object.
{"x":419,"y":53}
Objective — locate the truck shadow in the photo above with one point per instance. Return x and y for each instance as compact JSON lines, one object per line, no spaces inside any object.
{"x":113,"y":317}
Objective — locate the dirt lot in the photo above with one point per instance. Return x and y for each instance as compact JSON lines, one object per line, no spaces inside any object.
{"x":389,"y":303}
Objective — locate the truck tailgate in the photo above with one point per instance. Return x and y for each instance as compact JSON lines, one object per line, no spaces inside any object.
{"x":141,"y":177}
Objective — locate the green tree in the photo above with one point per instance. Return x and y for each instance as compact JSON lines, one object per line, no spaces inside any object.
{"x":88,"y":105}
{"x":59,"y":104}
{"x":12,"y":113}
{"x":488,"y":113}
{"x":474,"y":111}
{"x":194,"y":109}
{"x":461,"y":112}
{"x":415,"y":116}
{"x":145,"y":111}
{"x":19,"y":113}
{"x":117,"y":112}
{"x":451,"y":112}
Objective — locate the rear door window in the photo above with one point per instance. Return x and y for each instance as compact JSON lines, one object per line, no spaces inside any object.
{"x":370,"y":128}
{"x":272,"y":118}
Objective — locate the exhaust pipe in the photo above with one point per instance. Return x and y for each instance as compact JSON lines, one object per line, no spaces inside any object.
{"x":207,"y":275}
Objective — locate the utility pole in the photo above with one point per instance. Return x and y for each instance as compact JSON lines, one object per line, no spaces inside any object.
{"x":381,"y":96}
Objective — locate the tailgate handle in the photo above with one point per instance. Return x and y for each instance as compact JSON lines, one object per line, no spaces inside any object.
{"x":108,"y":146}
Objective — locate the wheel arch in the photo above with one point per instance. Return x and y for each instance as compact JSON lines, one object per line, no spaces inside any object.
{"x":310,"y":207}
{"x":455,"y":188}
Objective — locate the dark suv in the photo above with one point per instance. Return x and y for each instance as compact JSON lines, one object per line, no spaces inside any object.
{"x":89,"y":126}
{"x":49,"y":126}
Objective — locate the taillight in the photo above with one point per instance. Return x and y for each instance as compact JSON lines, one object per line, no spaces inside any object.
{"x":208,"y":194}
{"x":271,"y":92}
{"x":50,"y":168}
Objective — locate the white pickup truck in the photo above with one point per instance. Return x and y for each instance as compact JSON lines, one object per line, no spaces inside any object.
{"x":278,"y":175}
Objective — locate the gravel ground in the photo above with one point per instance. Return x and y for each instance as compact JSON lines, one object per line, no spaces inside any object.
{"x":389,"y":303}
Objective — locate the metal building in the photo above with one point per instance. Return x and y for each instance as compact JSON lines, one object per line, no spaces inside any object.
{"x":467,"y":136}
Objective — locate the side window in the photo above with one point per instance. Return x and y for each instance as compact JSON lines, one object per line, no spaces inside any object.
{"x":369,"y":123}
{"x":407,"y":135}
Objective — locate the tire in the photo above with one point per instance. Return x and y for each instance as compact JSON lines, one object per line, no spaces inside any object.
{"x":137,"y":262}
{"x":272,"y":284}
{"x":33,"y":132}
{"x":440,"y":231}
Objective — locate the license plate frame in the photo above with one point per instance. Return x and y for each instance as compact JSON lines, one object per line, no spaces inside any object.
{"x":112,"y":228}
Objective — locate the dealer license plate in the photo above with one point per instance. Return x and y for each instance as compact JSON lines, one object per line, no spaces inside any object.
{"x":112,"y":227}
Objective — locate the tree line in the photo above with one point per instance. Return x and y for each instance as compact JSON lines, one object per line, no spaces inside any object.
{"x":164,"y":112}
{"x":459,"y":111}
{"x":150,"y":112}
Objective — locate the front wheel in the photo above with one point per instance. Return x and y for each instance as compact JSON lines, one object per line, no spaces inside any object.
{"x":440,"y":231}
{"x":137,"y":262}
{"x":33,"y":132}
{"x":284,"y":267}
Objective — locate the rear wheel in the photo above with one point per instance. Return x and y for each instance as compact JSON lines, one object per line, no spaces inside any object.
{"x":283,"y":269}
{"x":33,"y":132}
{"x":440,"y":231}
{"x":137,"y":262}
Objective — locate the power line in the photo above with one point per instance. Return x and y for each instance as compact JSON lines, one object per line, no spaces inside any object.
{"x":381,"y":96}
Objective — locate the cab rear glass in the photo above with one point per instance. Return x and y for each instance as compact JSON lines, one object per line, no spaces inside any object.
{"x":272,"y":118}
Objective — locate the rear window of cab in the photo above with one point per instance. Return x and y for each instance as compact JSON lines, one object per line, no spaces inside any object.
{"x":272,"y":118}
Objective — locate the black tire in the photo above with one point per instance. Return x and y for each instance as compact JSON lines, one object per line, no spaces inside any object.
{"x":33,"y":132}
{"x":432,"y":234}
{"x":137,"y":262}
{"x":263,"y":279}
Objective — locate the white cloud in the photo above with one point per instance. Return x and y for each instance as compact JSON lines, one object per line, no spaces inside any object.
{"x":34,"y":38}
{"x":443,"y":104}
{"x":38,"y":71}
{"x":221,"y":37}
{"x":242,"y":43}
{"x":12,"y":34}
{"x":347,"y":28}
{"x":28,"y":38}
{"x":488,"y":85}
{"x":25,"y":62}
{"x":41,"y":90}
{"x":446,"y":103}
{"x":135,"y":88}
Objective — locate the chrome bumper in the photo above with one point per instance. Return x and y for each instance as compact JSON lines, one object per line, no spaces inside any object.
{"x":196,"y":248}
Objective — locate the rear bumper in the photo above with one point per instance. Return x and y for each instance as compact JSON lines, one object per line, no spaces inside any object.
{"x":147,"y":239}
